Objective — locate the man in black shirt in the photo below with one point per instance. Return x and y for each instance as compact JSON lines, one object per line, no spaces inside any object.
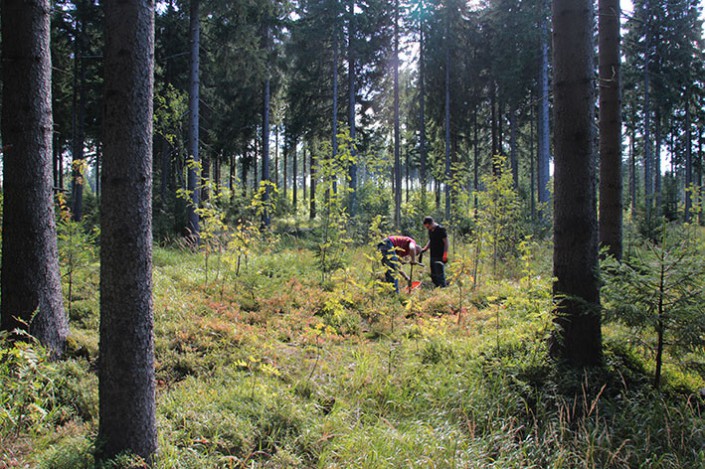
{"x":438,"y":244}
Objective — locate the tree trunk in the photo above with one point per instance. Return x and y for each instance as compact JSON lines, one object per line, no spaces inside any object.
{"x":30,"y":282}
{"x":532,"y":167}
{"x":266,"y":216}
{"x":447,"y":121}
{"x":543,"y":126}
{"x":312,"y":198}
{"x":303,"y":172}
{"x":513,"y":158}
{"x":576,"y":290}
{"x":688,"y":160}
{"x":648,"y":179}
{"x":285,"y":169}
{"x":79,"y":116}
{"x":351,"y":110}
{"x":193,"y":228}
{"x":610,"y":127}
{"x":397,"y":136}
{"x":126,"y":367}
{"x":295,"y":175}
{"x":656,"y":165}
{"x":632,"y":175}
{"x":334,"y":117}
{"x":422,"y":112}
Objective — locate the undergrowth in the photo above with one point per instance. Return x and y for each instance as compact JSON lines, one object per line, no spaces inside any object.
{"x":272,"y":369}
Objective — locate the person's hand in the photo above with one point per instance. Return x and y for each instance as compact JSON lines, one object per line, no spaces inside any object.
{"x":445,"y":257}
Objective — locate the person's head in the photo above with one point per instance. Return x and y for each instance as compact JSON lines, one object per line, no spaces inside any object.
{"x":428,"y":223}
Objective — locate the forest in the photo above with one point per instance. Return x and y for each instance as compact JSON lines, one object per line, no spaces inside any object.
{"x":352,"y":234}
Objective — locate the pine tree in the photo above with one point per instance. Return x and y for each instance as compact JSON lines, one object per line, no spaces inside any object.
{"x":30,"y":285}
{"x":126,"y":368}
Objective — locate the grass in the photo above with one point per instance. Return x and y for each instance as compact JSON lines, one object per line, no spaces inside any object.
{"x":270,"y":369}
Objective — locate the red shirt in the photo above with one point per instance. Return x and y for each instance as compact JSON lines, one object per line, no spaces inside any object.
{"x":402,"y":244}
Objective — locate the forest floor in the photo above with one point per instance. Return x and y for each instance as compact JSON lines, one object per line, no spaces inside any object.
{"x":274,"y":368}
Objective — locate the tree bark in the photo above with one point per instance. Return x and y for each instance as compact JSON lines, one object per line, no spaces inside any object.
{"x":30,"y":285}
{"x":79,"y":116}
{"x":126,"y":367}
{"x":422,"y":110}
{"x":447,"y":119}
{"x":610,"y":126}
{"x":193,"y":227}
{"x":688,"y":160}
{"x":266,"y":216}
{"x":543,"y":126}
{"x":351,"y":110}
{"x":576,"y":289}
{"x":397,"y":136}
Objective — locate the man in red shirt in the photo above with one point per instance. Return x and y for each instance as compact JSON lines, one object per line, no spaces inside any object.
{"x":392,"y":248}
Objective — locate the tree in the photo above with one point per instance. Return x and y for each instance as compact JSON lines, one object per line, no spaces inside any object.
{"x":126,"y":368}
{"x":575,"y":258}
{"x":610,"y":125}
{"x":30,"y":285}
{"x":397,"y":160}
{"x":543,"y":121}
{"x":193,"y":126}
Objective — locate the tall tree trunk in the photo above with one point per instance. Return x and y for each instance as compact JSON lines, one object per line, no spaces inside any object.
{"x":648,"y":178}
{"x":397,"y":136}
{"x":513,"y":158}
{"x":656,"y":165}
{"x":422,"y":110}
{"x":610,"y":127}
{"x":303,"y":171}
{"x":334,"y":117}
{"x":544,"y":150}
{"x":312,"y":198}
{"x":30,"y":284}
{"x":699,"y":188}
{"x":193,"y":228}
{"x":266,"y":216}
{"x":688,"y":160}
{"x":98,"y":170}
{"x":351,"y":110}
{"x":126,"y":368}
{"x":295,"y":174}
{"x":533,"y":158}
{"x":79,"y":116}
{"x":476,"y":163}
{"x":447,"y":120}
{"x":633,"y":175}
{"x":285,"y":168}
{"x":576,"y":289}
{"x":496,"y":170}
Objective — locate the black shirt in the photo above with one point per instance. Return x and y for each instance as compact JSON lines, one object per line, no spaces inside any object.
{"x":436,"y":238}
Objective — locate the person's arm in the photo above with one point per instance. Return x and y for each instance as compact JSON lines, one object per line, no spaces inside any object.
{"x":403,"y":274}
{"x":445,"y":249}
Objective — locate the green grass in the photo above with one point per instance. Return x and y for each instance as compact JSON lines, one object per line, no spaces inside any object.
{"x":270,"y":369}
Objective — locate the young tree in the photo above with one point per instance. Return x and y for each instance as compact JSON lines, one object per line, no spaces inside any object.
{"x":610,"y":125}
{"x":126,"y":371}
{"x":575,"y":257}
{"x":30,"y":286}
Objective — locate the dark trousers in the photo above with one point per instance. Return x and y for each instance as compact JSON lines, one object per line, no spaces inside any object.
{"x":438,"y":272}
{"x":391,"y":261}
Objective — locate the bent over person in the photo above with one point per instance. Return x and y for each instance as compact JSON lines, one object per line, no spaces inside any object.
{"x":392,"y":248}
{"x":438,"y":245}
